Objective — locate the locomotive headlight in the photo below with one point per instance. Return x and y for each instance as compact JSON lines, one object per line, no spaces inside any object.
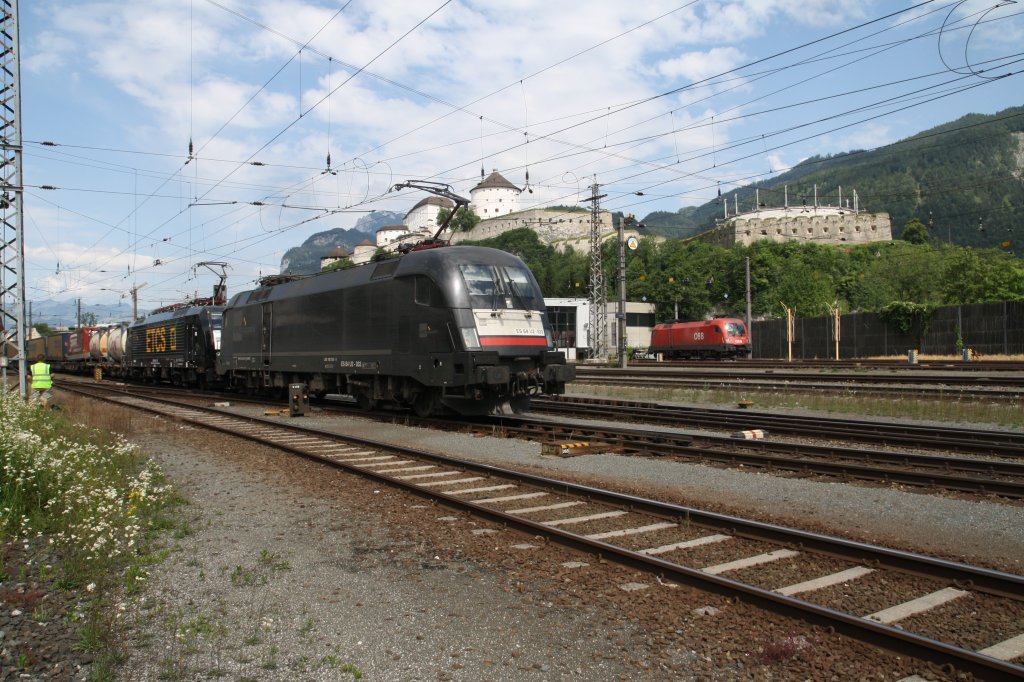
{"x":470,"y":339}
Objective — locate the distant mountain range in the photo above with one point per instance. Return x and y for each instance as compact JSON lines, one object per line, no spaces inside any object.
{"x":65,"y":313}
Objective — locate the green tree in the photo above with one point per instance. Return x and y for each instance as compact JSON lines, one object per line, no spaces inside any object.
{"x":340,"y":264}
{"x":464,"y":221}
{"x":43,"y":329}
{"x":899,"y":271}
{"x":980,"y":276}
{"x":915,"y":232}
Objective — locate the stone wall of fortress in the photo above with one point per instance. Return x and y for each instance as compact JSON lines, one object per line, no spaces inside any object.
{"x":836,"y":228}
{"x":557,"y":228}
{"x":563,"y":229}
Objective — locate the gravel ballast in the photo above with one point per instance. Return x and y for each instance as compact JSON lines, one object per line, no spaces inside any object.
{"x":288,"y":573}
{"x":380,"y":583}
{"x":990,"y":533}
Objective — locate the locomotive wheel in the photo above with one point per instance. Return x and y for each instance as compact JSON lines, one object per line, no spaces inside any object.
{"x":425,"y":403}
{"x":520,"y":404}
{"x":365,"y":402}
{"x":513,"y":406}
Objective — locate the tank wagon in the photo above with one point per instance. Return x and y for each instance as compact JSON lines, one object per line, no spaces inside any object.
{"x":460,"y":327}
{"x":719,"y":338}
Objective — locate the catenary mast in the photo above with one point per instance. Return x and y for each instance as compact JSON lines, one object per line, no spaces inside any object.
{"x":12,"y":218}
{"x":597,"y":329}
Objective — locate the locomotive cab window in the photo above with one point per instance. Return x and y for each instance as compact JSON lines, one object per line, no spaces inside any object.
{"x":216,"y":324}
{"x":735,"y":329}
{"x":495,"y":287}
{"x":425,"y":292}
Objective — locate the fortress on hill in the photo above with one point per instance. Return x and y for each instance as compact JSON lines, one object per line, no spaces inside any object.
{"x":814,"y":223}
{"x":497,"y":202}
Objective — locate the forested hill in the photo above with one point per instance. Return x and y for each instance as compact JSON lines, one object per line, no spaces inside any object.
{"x":964,"y":178}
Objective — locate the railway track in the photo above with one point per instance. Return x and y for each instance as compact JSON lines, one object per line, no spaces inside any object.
{"x":966,"y":618}
{"x":869,"y":364}
{"x":966,"y":475}
{"x":988,"y":387}
{"x":1003,"y":478}
{"x":1008,"y":444}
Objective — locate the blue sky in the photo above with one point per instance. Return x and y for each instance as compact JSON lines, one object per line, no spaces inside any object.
{"x":672,"y":99}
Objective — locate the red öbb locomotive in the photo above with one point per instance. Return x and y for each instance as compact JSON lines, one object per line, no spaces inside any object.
{"x":724,"y":337}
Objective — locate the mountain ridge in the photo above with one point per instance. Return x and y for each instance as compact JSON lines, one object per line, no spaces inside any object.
{"x":952,"y":177}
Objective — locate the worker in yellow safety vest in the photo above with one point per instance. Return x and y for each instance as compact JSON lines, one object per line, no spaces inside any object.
{"x":42,"y":381}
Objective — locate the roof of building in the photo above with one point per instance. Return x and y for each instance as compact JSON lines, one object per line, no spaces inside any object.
{"x":366,"y":242}
{"x":442,"y":202}
{"x":338,"y":252}
{"x":393,"y":228}
{"x":495,"y":180}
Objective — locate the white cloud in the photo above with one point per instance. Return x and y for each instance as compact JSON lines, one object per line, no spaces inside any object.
{"x":865,"y":136}
{"x":697,"y":66}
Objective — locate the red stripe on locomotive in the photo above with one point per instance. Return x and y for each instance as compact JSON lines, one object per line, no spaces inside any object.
{"x":513,"y":341}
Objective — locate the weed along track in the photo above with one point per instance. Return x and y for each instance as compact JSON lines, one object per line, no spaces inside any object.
{"x":950,"y":614}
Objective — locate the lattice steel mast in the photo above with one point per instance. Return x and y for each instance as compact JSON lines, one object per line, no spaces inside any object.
{"x":12,"y":218}
{"x":597,"y":331}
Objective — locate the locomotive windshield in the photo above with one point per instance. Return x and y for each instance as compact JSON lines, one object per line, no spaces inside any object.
{"x":216,"y":322}
{"x":499,"y":286}
{"x":735,"y":329}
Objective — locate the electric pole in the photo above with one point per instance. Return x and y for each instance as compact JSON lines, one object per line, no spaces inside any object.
{"x":12,"y":195}
{"x":598,"y":329}
{"x":750,"y":334}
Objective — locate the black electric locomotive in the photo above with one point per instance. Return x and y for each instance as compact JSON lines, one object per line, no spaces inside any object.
{"x":176,"y":344}
{"x":462,"y":328}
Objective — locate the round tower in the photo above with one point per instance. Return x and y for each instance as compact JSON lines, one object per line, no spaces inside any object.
{"x":494,"y":196}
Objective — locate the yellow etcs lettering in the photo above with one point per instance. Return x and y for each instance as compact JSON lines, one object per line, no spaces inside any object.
{"x":161,"y":340}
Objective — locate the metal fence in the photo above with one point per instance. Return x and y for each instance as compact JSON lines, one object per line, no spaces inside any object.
{"x":986,"y":328}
